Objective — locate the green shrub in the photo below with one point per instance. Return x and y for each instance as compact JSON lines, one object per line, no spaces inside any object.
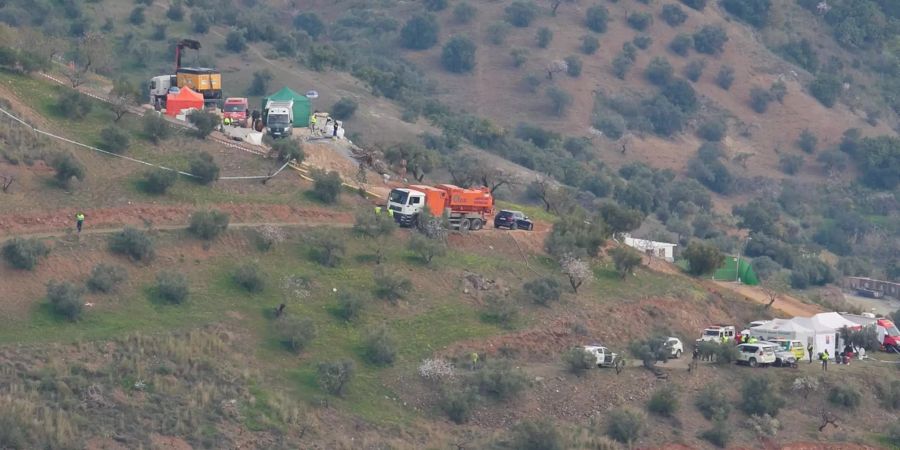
{"x":560,"y":100}
{"x":133,"y":243}
{"x":157,"y":181}
{"x":642,"y":42}
{"x":659,"y":71}
{"x":105,"y":278}
{"x":890,"y":393}
{"x":260,"y":83}
{"x":640,"y":20}
{"x":207,"y":225}
{"x":289,"y":150}
{"x":464,"y":12}
{"x":458,"y":404}
{"x":65,"y":299}
{"x":663,"y":401}
{"x":204,"y":122}
{"x":172,"y":287}
{"x":13,"y":434}
{"x":625,"y":260}
{"x":500,"y":310}
{"x":759,"y":99}
{"x":758,"y":397}
{"x":578,"y":361}
{"x":497,"y":32}
{"x":695,"y":4}
{"x":893,"y":434}
{"x":204,"y":168}
{"x":66,"y":167}
{"x":694,"y":70}
{"x":673,"y":15}
{"x":790,"y":164}
{"x":845,"y":396}
{"x":326,"y":185}
{"x":380,"y":347}
{"x":435,"y":5}
{"x":826,"y":88}
{"x":589,"y":44}
{"x":573,"y":66}
{"x":621,"y":65}
{"x":543,"y":291}
{"x":344,"y":108}
{"x":350,"y":306}
{"x":719,"y":435}
{"x":175,"y":12}
{"x":114,"y":140}
{"x":543,"y":37}
{"x":710,"y":39}
{"x":420,"y":32}
{"x":712,"y":403}
{"x":235,"y":41}
{"x":156,"y":128}
{"x":310,"y":23}
{"x":458,"y":55}
{"x":521,"y":13}
{"x":249,"y":277}
{"x":725,"y":77}
{"x":801,"y":53}
{"x":296,"y":333}
{"x":137,"y":16}
{"x":519,"y":56}
{"x":328,"y":248}
{"x":427,"y":249}
{"x":391,"y":287}
{"x":596,"y":18}
{"x":681,"y":44}
{"x":703,"y":258}
{"x":712,"y":130}
{"x":625,"y":425}
{"x":200,"y":22}
{"x":334,"y":376}
{"x":807,"y":141}
{"x":754,"y":12}
{"x":536,"y":435}
{"x":499,"y":380}
{"x":24,"y":253}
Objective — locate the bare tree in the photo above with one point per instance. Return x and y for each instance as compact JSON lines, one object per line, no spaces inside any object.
{"x":556,"y":66}
{"x":90,"y":52}
{"x":554,"y":5}
{"x":577,"y":270}
{"x":122,"y":97}
{"x":828,"y":418}
{"x":773,"y":287}
{"x":541,"y":189}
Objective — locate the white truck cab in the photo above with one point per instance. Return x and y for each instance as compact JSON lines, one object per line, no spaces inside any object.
{"x":604,"y":357}
{"x":406,"y":204}
{"x":159,"y":90}
{"x":280,"y":118}
{"x":718,"y":333}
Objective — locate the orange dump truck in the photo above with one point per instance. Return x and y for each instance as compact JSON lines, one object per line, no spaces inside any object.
{"x":467,"y":209}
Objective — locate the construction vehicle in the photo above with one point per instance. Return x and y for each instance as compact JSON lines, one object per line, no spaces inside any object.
{"x":201,"y":79}
{"x":466,"y":209}
{"x":235,"y":108}
{"x":279,"y":118}
{"x":885,"y":330}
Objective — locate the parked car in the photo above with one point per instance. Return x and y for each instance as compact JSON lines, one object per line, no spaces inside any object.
{"x":676,"y":348}
{"x":605,"y":358}
{"x":758,"y":353}
{"x":716,"y":333}
{"x":791,"y":345}
{"x":513,"y":220}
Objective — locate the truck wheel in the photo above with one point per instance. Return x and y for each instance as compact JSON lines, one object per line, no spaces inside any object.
{"x":752,"y":362}
{"x":465,"y":225}
{"x":514,"y":226}
{"x":677,"y":354}
{"x":477,"y":224}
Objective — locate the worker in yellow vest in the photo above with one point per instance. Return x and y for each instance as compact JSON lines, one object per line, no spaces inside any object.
{"x":79,"y":221}
{"x":312,"y":122}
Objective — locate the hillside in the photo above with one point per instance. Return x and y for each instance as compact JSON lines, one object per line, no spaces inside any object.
{"x":203,"y":309}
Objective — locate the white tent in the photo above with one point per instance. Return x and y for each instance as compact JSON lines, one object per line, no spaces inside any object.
{"x":834,"y":321}
{"x":783,"y":329}
{"x":824,"y":337}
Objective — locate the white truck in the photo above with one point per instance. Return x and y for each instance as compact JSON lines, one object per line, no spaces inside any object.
{"x":718,"y":333}
{"x":279,"y":118}
{"x":159,"y":90}
{"x":604,"y":357}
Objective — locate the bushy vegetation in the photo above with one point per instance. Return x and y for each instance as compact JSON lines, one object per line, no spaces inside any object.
{"x":625,"y":425}
{"x":208,"y":225}
{"x":133,"y":243}
{"x":826,"y":88}
{"x":536,"y":435}
{"x":74,"y":105}
{"x":713,"y":404}
{"x":713,"y":130}
{"x":157,"y":181}
{"x":498,"y":379}
{"x":521,"y":13}
{"x":114,"y":139}
{"x":499,"y":309}
{"x":703,"y":258}
{"x":67,"y":168}
{"x":759,"y":397}
{"x":589,"y":44}
{"x":156,"y":129}
{"x":420,"y":32}
{"x":391,"y":287}
{"x":425,"y":248}
{"x":204,"y":168}
{"x":380,"y":346}
{"x":458,"y":55}
{"x":725,"y":77}
{"x":296,"y":333}
{"x":673,"y":15}
{"x":640,"y":21}
{"x":105,"y":278}
{"x":719,"y":435}
{"x":344,"y":108}
{"x":172,"y":287}
{"x":327,"y":185}
{"x":790,"y":164}
{"x":846,"y":397}
{"x":204,"y":123}
{"x":578,"y":361}
{"x":681,"y":44}
{"x":350,"y":305}
{"x":464,"y":12}
{"x":754,"y":12}
{"x":334,"y":376}
{"x":543,"y":291}
{"x":249,"y":277}
{"x":596,"y":18}
{"x":695,"y":4}
{"x":24,"y":254}
{"x":289,"y":150}
{"x":65,"y":299}
{"x":710,"y":39}
{"x":663,"y":401}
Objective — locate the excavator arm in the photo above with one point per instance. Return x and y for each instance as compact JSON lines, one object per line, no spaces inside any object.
{"x":181,"y":45}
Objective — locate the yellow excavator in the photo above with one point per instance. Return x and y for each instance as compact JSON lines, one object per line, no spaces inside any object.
{"x":201,"y":79}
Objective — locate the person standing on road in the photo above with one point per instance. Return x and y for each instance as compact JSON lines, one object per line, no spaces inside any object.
{"x":79,"y":221}
{"x":809,"y":348}
{"x":824,"y":358}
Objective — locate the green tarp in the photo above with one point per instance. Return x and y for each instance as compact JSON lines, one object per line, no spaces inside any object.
{"x":302,"y":105}
{"x":729,"y":272}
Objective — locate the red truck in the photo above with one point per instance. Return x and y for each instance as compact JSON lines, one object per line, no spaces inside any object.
{"x":887,"y":332}
{"x":235,"y":108}
{"x":468,"y":209}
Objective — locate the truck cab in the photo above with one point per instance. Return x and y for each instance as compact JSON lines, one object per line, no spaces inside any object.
{"x":159,"y":89}
{"x":405,"y":205}
{"x":235,"y":108}
{"x":604,"y":357}
{"x":718,"y":333}
{"x":279,"y":118}
{"x":464,"y":209}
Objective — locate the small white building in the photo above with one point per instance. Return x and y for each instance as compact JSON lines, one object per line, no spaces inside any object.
{"x":654,"y":249}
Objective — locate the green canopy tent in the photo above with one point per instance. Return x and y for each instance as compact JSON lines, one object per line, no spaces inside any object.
{"x":302,"y":105}
{"x":730,"y":270}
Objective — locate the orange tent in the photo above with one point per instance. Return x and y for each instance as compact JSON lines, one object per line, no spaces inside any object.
{"x":185,"y":98}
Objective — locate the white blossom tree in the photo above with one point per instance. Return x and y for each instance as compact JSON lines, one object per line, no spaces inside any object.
{"x":578,"y":271}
